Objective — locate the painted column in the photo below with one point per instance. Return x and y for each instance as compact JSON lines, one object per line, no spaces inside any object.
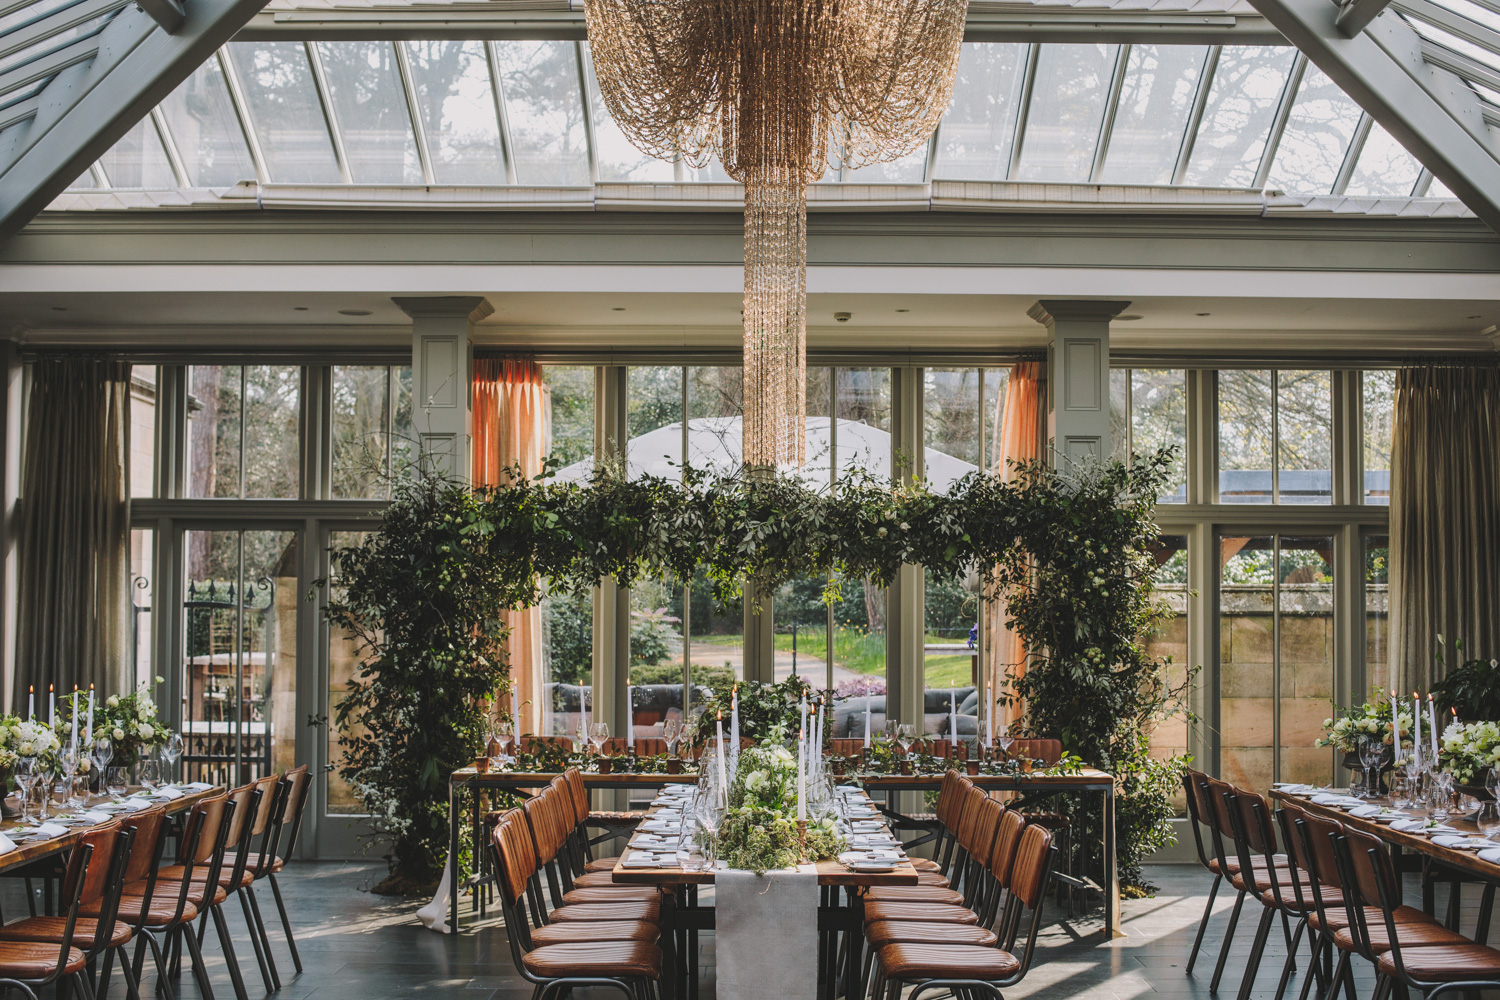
{"x":905,"y":674}
{"x":1077,"y":375}
{"x":442,"y":363}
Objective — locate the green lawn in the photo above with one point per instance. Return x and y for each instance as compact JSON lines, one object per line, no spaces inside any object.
{"x":858,"y":651}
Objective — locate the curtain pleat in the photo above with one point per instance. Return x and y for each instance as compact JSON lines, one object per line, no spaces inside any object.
{"x":512,"y":427}
{"x":1445,"y":519}
{"x":74,"y":596}
{"x":1017,"y":437}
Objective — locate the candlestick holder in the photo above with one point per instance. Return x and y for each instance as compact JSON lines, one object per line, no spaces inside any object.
{"x":802,"y":840}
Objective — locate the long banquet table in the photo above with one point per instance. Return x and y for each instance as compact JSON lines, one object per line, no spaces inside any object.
{"x":1465,"y":862}
{"x":1086,"y":779}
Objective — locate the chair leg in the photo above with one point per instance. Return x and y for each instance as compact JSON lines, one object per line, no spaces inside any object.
{"x":1290,"y":965}
{"x":265,"y":939}
{"x":227,"y":943}
{"x":1342,"y":974}
{"x":132,"y":985}
{"x":286,"y":923}
{"x":200,"y":971}
{"x":260,"y":955}
{"x":1234,"y":919}
{"x":149,"y":940}
{"x":1252,"y":964}
{"x":1208,"y":910}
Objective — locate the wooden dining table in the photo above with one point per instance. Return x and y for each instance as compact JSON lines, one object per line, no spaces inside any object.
{"x":1416,"y":852}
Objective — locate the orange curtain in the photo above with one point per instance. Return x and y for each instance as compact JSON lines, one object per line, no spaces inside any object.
{"x":512,"y":426}
{"x":1017,"y":437}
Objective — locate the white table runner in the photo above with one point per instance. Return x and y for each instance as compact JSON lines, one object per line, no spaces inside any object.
{"x":765,"y":934}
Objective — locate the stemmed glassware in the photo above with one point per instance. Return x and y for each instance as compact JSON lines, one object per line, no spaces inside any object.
{"x":67,"y":768}
{"x":906,"y":735}
{"x":710,"y":809}
{"x":103,"y":751}
{"x":671,"y":731}
{"x":117,"y":781}
{"x":26,"y":777}
{"x":1440,"y":796}
{"x":171,"y":753}
{"x":1488,"y":819}
{"x":598,"y":736}
{"x":149,"y":772}
{"x":1370,"y":752}
{"x":1400,"y":785}
{"x":504,"y":732}
{"x":46,"y":774}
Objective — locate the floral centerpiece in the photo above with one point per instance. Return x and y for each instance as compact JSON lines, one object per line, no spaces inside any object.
{"x":1372,"y":719}
{"x":759,"y":831}
{"x":764,"y":708}
{"x":1468,"y":749}
{"x":129,"y":722}
{"x":26,"y":739}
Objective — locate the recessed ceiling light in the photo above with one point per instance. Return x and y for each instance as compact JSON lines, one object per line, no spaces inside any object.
{"x":300,"y":309}
{"x":618,"y":309}
{"x":1129,"y":319}
{"x":903,"y":310}
{"x":354,"y":312}
{"x":1474,"y":317}
{"x":1205,"y":314}
{"x":59,"y":309}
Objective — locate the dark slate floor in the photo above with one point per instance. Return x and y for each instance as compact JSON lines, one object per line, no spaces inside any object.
{"x":356,"y":946}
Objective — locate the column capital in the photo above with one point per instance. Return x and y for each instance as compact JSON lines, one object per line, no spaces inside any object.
{"x":1049,"y":311}
{"x":475,"y":307}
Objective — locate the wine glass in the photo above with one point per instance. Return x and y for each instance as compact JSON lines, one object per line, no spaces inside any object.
{"x":46,"y":774}
{"x":598,"y":736}
{"x":671,"y":731}
{"x":1440,"y":796}
{"x":26,"y":774}
{"x":892,"y":728}
{"x":689,"y":855}
{"x":906,"y":735}
{"x":710,"y":813}
{"x":117,"y":781}
{"x":149,"y":772}
{"x":1488,"y":819}
{"x":1492,"y":782}
{"x":103,"y":752}
{"x":1370,"y":751}
{"x":67,"y":766}
{"x":504,"y":733}
{"x":172,"y":752}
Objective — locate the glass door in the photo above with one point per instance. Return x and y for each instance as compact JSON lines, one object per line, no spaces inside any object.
{"x":239,"y":653}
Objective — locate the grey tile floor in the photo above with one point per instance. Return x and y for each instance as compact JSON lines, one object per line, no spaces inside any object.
{"x":356,"y":946}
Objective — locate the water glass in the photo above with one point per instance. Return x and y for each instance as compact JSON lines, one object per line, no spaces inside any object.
{"x":689,"y":854}
{"x":103,"y":752}
{"x":671,"y":731}
{"x":1370,"y":752}
{"x":598,"y":736}
{"x":1440,"y":796}
{"x":172,"y":753}
{"x":148,"y":772}
{"x":117,"y":781}
{"x":1400,"y":790}
{"x":25,"y":779}
{"x":1488,"y":819}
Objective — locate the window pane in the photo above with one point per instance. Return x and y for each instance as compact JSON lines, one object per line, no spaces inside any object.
{"x":655,"y":656}
{"x":858,"y":659}
{"x":138,"y":160}
{"x":370,"y":105}
{"x":996,"y":389}
{"x":343,"y":666}
{"x":361,"y":431}
{"x":1119,"y":414}
{"x":1237,"y":119}
{"x":271,"y":430}
{"x":1440,"y":190}
{"x":567,"y":661}
{"x":545,"y":111}
{"x":457,"y":105}
{"x":403,"y":432}
{"x":951,"y":659}
{"x":618,"y":159}
{"x":284,"y":111}
{"x":1160,"y":82}
{"x":950,"y":424}
{"x":975,"y":138}
{"x":1247,"y":662}
{"x":570,"y":395}
{"x":863,"y":404}
{"x":204,"y":128}
{"x":1169,"y":643}
{"x":1384,"y":168}
{"x":653,"y":414}
{"x":1158,"y":419}
{"x":214,"y":431}
{"x":716,"y":417}
{"x":800,"y":619}
{"x":717,"y":637}
{"x":1245,"y":415}
{"x":1305,"y":437}
{"x":142,"y":553}
{"x":1377,"y":612}
{"x":1317,"y":136}
{"x":910,"y":169}
{"x":1380,"y":414}
{"x":1305,"y":653}
{"x":1067,"y":107}
{"x":142,"y":430}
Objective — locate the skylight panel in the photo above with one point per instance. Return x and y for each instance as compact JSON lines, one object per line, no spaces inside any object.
{"x":370,"y":107}
{"x":1237,"y":120}
{"x":284,"y":112}
{"x":138,"y":160}
{"x":544,"y":108}
{"x":201,"y":120}
{"x":976,"y":135}
{"x":1318,"y":132}
{"x":910,"y":169}
{"x":1160,"y":83}
{"x":1440,"y":190}
{"x":1472,"y":11}
{"x":1067,"y":107}
{"x":1449,"y":40}
{"x":1385,"y":168}
{"x":617,"y":159}
{"x":456,"y":103}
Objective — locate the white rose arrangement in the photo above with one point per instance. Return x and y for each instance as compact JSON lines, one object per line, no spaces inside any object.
{"x":1467,"y":750}
{"x":129,"y":722}
{"x":1372,"y":719}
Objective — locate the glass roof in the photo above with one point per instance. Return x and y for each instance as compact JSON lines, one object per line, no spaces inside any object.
{"x":528,"y":113}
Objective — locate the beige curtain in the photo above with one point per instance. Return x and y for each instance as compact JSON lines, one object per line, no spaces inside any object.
{"x":1017,"y":437}
{"x":1445,"y":518}
{"x":512,"y":426}
{"x":73,"y":588}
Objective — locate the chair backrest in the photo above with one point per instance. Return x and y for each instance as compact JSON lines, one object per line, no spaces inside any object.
{"x":270,"y":798}
{"x":245,"y":805}
{"x":103,"y":838}
{"x":515,"y":854}
{"x":1047,"y":751}
{"x":650,"y":746}
{"x":146,"y":850}
{"x":947,"y":795}
{"x":579,"y":791}
{"x":1028,"y":880}
{"x":1255,"y":821}
{"x":846,"y":747}
{"x":1007,"y":840}
{"x":1195,"y":819}
{"x":294,"y":804}
{"x":209,"y":816}
{"x":968,"y":816}
{"x":538,"y":821}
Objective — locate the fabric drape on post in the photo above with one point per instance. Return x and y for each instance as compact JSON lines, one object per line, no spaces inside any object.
{"x":1445,"y":519}
{"x":74,"y":594}
{"x":1017,"y":437}
{"x":511,"y":428}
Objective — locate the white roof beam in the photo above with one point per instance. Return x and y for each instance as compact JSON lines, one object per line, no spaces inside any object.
{"x":92,"y":103}
{"x":1431,"y":112}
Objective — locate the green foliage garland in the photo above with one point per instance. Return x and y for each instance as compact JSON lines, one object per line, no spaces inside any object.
{"x":1068,"y":551}
{"x":759,"y":831}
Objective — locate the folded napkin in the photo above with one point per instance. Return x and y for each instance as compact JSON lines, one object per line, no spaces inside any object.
{"x":1331,"y":799}
{"x":1492,"y":855}
{"x":198,"y":786}
{"x":169,"y":793}
{"x":1365,"y":812}
{"x":1463,"y":843}
{"x":50,"y":830}
{"x":96,"y":816}
{"x":657,"y":826}
{"x":1420,"y":826}
{"x":6,"y":844}
{"x":638,"y":859}
{"x":137,"y":804}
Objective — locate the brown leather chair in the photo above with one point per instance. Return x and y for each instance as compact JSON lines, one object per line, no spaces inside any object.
{"x":32,"y":964}
{"x":109,"y":846}
{"x":1196,"y":821}
{"x":146,"y":910}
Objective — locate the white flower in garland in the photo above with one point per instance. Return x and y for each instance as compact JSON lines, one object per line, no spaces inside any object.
{"x":1470,"y":749}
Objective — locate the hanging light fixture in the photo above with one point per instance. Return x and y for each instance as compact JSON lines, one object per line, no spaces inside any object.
{"x":774,"y":89}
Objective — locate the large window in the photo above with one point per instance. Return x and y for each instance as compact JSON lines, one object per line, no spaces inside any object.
{"x":1148,"y":411}
{"x":243,"y":431}
{"x":373,"y":438}
{"x":1379,"y":397}
{"x":1275,"y":437}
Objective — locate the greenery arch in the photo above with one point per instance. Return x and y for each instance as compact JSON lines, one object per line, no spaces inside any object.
{"x":1069,"y":551}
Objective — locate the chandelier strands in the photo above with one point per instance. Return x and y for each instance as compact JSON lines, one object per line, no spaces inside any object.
{"x":773,"y":89}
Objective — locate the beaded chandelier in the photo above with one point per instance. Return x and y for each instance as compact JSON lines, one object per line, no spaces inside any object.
{"x":776,"y":89}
